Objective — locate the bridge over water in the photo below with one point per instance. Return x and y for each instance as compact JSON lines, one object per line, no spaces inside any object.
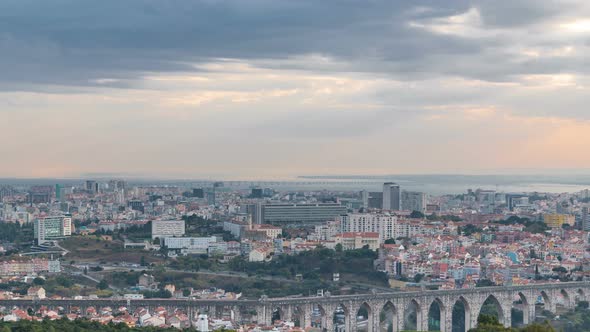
{"x":396,"y":311}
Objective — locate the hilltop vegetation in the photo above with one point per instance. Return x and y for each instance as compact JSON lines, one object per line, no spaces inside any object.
{"x":317,"y":264}
{"x":65,"y":325}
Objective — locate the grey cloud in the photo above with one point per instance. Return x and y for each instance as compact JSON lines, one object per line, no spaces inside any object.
{"x":76,"y":43}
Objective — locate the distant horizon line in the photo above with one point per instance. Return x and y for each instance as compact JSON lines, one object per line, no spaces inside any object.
{"x":219,"y":177}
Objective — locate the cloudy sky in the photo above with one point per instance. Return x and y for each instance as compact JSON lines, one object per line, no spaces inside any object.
{"x":275,"y":88}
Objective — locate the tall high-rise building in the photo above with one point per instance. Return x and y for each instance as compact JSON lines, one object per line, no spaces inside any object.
{"x":198,"y":193}
{"x":372,"y":200}
{"x":136,"y":205}
{"x":60,"y":192}
{"x":256,"y":193}
{"x":92,"y":186}
{"x":585,"y":219}
{"x":52,"y":228}
{"x":514,"y":200}
{"x":254,"y":211}
{"x":413,"y":201}
{"x":40,"y":194}
{"x":392,"y":198}
{"x":211,"y":195}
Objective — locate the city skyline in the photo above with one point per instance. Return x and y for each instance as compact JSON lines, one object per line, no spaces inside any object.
{"x":270,"y":89}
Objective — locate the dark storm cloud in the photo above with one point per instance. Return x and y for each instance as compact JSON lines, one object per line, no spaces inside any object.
{"x":78,"y":43}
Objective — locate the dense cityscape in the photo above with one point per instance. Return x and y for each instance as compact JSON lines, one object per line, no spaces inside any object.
{"x":230,"y":241}
{"x":294,"y":166}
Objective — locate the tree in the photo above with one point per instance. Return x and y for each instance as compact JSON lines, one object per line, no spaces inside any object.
{"x":489,"y":323}
{"x":559,"y":269}
{"x":470,"y":229}
{"x":418,"y":277}
{"x":485,"y":283}
{"x":545,"y":327}
{"x":38,"y":281}
{"x":142,"y":261}
{"x":417,"y":215}
{"x":584,"y":304}
{"x":487,"y":320}
{"x":535,"y":227}
{"x":338,"y":247}
{"x":102,"y":285}
{"x":390,"y":241}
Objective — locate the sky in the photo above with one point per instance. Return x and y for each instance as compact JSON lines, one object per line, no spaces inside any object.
{"x":277,"y":88}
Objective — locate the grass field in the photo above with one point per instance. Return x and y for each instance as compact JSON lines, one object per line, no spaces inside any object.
{"x":93,"y":249}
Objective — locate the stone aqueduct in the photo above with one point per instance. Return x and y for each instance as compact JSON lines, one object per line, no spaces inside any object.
{"x":394,"y":306}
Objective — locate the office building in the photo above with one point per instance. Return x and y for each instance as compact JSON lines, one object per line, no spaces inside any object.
{"x":198,"y":193}
{"x":300,"y":213}
{"x":257,"y":193}
{"x":382,"y":224}
{"x":120,"y":185}
{"x":515,"y":200}
{"x":211,"y":195}
{"x":414,"y":201}
{"x":372,"y":200}
{"x":254,"y":211}
{"x":92,"y":186}
{"x":137,"y":205}
{"x":48,"y":229}
{"x":167,"y":228}
{"x":40,"y":194}
{"x":585,"y":219}
{"x":392,"y":198}
{"x":59,"y":192}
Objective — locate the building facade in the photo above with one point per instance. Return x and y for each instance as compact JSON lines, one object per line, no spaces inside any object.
{"x":48,"y":229}
{"x":414,"y":201}
{"x":392,"y":198}
{"x":382,"y":224}
{"x":558,"y":220}
{"x":167,"y":228}
{"x":372,"y":200}
{"x":358,"y":240}
{"x":301,"y":213}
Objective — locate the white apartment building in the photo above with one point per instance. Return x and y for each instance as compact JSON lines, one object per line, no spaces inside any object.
{"x":167,"y":228}
{"x":325,"y":232}
{"x":383,"y":224}
{"x":189,"y":242}
{"x":408,"y":229}
{"x":52,"y":228}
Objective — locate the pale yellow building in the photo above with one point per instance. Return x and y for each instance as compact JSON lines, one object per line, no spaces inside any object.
{"x":558,"y":220}
{"x":357,"y":240}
